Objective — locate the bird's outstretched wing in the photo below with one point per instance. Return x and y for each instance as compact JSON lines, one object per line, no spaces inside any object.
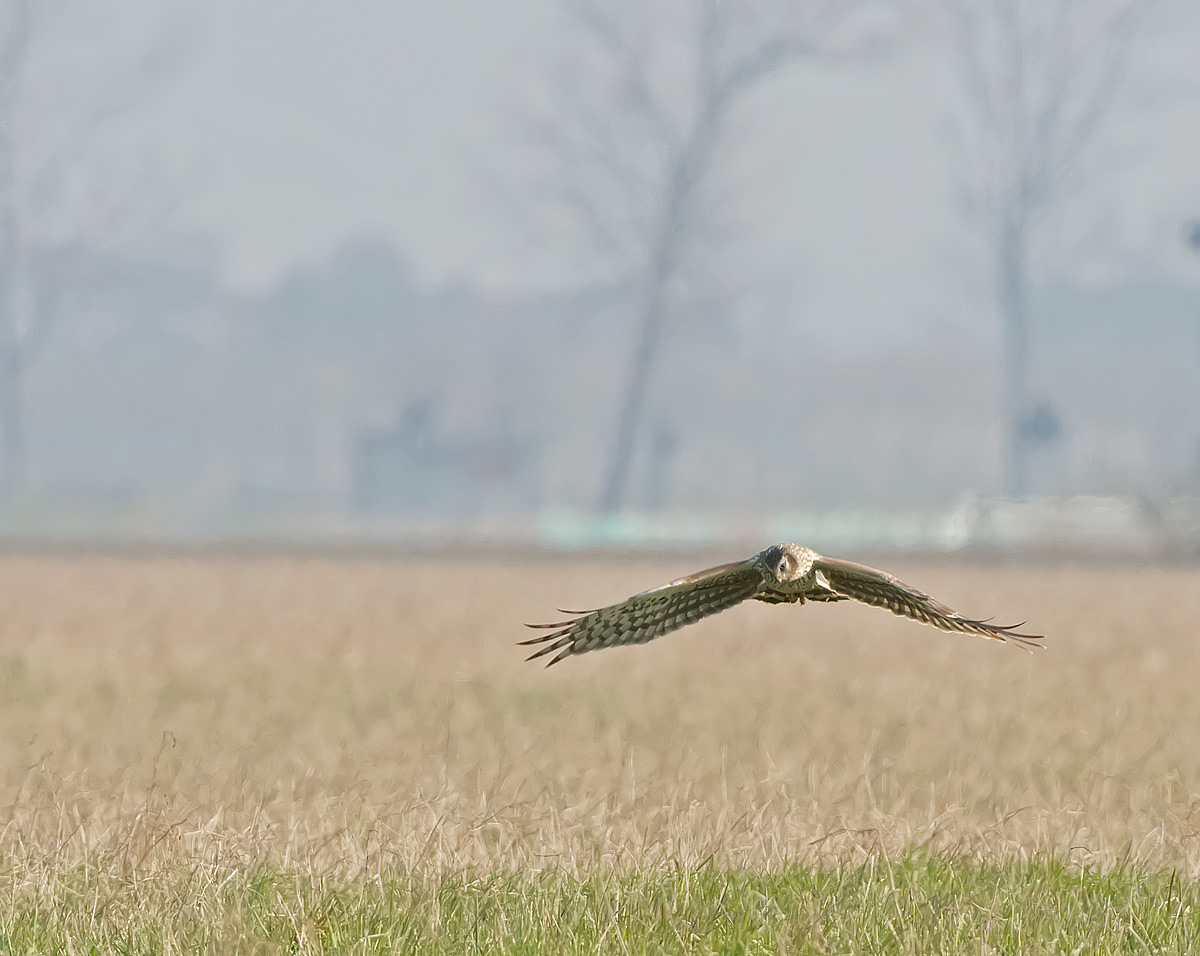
{"x":880,"y":589}
{"x":652,"y":613}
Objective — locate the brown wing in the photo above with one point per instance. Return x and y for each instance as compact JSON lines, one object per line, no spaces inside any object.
{"x":652,"y":613}
{"x":880,"y":589}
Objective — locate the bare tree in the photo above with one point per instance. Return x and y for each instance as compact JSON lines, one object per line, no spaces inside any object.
{"x":1039,"y":78}
{"x":37,"y":186}
{"x":642,"y":122}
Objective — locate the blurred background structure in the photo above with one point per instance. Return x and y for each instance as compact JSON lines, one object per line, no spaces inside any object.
{"x":567,"y":273}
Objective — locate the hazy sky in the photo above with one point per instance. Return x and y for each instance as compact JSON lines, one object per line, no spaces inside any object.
{"x":322,"y":120}
{"x":300,"y":123}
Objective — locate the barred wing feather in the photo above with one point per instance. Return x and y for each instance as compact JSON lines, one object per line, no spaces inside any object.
{"x":880,"y":589}
{"x":652,"y":613}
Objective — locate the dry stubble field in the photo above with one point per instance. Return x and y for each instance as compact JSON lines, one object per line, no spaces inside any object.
{"x":238,"y":754}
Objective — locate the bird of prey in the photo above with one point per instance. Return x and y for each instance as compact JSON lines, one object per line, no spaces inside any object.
{"x":780,"y":574}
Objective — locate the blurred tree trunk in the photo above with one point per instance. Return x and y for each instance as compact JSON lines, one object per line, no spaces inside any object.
{"x":683,"y":180}
{"x":1013,"y":295}
{"x":633,"y":403}
{"x":14,"y":52}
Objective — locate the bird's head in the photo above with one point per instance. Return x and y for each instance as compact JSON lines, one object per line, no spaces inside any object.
{"x":784,"y":561}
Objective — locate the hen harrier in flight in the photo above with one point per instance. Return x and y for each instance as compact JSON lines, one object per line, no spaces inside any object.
{"x":781,"y":574}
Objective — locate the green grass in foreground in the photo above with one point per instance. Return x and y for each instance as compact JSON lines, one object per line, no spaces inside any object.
{"x":916,"y":905}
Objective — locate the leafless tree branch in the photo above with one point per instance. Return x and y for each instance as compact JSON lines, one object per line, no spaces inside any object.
{"x":632,"y":56}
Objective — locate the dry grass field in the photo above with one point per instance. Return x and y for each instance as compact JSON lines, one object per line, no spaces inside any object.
{"x":351,"y":755}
